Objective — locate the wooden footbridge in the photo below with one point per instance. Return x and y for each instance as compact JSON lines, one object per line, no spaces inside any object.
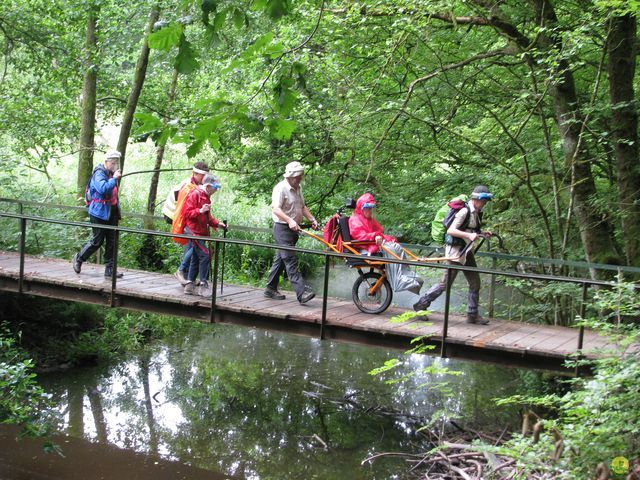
{"x":514,"y":343}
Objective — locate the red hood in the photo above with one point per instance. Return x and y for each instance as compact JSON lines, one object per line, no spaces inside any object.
{"x":365,"y":198}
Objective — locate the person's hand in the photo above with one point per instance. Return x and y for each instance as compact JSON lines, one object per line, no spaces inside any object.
{"x":379,"y":239}
{"x":205,"y":208}
{"x":222,"y":225}
{"x":473,"y":236}
{"x":293,"y":225}
{"x":486,"y":234}
{"x":117,"y":174}
{"x":314,"y":224}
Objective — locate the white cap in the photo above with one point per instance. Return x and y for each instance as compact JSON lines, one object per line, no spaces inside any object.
{"x":113,"y":154}
{"x":293,"y":169}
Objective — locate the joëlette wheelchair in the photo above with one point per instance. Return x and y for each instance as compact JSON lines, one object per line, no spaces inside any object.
{"x":371,"y":292}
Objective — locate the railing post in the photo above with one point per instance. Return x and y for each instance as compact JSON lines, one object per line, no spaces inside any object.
{"x":583,"y":310}
{"x":214,"y":280}
{"x":114,"y":268}
{"x":325,"y":293}
{"x":23,"y":235}
{"x":447,"y":301}
{"x":492,"y":288}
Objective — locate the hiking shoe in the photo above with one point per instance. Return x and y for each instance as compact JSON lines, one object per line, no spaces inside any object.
{"x":77,"y":263}
{"x":181,"y":277}
{"x":204,"y":290}
{"x":306,"y":296}
{"x":421,"y":305}
{"x":477,"y":319}
{"x":109,"y":272}
{"x":274,"y":294}
{"x":189,"y":288}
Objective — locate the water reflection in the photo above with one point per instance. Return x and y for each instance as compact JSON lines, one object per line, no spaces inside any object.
{"x":264,"y":405}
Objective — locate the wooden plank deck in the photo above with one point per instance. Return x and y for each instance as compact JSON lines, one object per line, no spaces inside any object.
{"x":541,"y":346}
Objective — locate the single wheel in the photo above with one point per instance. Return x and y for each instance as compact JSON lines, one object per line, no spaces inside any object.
{"x":366,"y":302}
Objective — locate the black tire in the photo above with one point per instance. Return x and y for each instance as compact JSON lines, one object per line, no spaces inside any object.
{"x":366,"y":303}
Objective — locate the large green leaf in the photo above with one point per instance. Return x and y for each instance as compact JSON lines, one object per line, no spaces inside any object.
{"x":148,"y":123}
{"x":204,"y":128}
{"x":186,"y":61}
{"x":195,"y":148}
{"x":166,"y":38}
{"x":281,"y":129}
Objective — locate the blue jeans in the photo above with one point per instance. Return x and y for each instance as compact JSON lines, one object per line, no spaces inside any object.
{"x":186,"y":258}
{"x":200,"y":259}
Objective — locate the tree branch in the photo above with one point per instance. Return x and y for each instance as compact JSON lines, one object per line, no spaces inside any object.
{"x":417,"y":81}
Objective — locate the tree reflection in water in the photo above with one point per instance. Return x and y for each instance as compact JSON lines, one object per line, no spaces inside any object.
{"x":259,"y":404}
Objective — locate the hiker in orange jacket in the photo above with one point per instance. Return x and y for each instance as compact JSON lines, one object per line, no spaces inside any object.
{"x":200,"y":169}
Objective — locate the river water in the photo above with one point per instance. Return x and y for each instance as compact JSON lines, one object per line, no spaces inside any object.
{"x":255,"y":404}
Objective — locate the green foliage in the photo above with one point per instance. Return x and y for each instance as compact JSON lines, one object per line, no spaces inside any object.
{"x":598,"y":418}
{"x":22,"y":400}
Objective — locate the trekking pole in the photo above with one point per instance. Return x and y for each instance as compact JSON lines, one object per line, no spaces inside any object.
{"x":224,"y":244}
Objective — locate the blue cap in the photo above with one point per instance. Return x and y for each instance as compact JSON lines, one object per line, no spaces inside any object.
{"x":368,"y":205}
{"x":217,"y":186}
{"x":482,"y":195}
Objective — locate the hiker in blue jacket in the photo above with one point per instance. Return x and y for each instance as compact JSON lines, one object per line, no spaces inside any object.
{"x":104,"y":209}
{"x":464,"y":229}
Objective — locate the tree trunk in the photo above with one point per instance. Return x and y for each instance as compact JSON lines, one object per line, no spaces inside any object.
{"x":594,"y":230}
{"x":88,"y":128}
{"x":153,"y":188}
{"x":136,"y":88}
{"x":624,"y":123}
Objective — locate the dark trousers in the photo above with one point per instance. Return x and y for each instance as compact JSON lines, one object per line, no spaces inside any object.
{"x":473,"y":279}
{"x":285,"y":260}
{"x":99,"y":237}
{"x":200,"y":260}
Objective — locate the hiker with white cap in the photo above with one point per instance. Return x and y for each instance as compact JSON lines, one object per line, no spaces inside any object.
{"x":104,"y":209}
{"x":288,"y":209}
{"x":176,"y":197}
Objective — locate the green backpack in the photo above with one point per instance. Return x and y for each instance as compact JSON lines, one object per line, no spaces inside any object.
{"x":438,"y":227}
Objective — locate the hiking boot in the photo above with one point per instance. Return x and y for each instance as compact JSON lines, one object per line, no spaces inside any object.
{"x":274,"y":294}
{"x":306,"y":295}
{"x":204,"y":290}
{"x":421,"y":305}
{"x":181,"y":277}
{"x":477,"y":319}
{"x":77,"y":263}
{"x":189,"y":288}
{"x":108,"y":272}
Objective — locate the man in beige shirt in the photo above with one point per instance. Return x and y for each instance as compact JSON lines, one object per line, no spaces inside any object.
{"x":288,"y":209}
{"x":464,"y":229}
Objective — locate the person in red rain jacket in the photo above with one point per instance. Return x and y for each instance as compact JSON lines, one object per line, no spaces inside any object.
{"x":197,"y":211}
{"x":364,"y":227}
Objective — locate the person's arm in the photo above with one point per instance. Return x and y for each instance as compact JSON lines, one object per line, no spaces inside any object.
{"x":454,"y":229}
{"x":359,"y":231}
{"x":192,"y":206}
{"x":310,"y":217}
{"x":102,"y":183}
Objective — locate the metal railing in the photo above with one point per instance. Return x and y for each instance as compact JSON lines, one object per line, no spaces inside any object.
{"x":215,"y":242}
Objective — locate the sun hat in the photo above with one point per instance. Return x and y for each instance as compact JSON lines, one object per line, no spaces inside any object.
{"x":293,"y":169}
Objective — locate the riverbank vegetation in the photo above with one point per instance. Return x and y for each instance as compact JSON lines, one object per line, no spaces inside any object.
{"x":581,"y":427}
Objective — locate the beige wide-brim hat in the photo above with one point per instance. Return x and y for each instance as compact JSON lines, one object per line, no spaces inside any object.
{"x":293,"y":169}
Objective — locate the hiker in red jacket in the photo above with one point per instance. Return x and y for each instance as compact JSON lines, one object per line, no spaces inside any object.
{"x":197,"y":211}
